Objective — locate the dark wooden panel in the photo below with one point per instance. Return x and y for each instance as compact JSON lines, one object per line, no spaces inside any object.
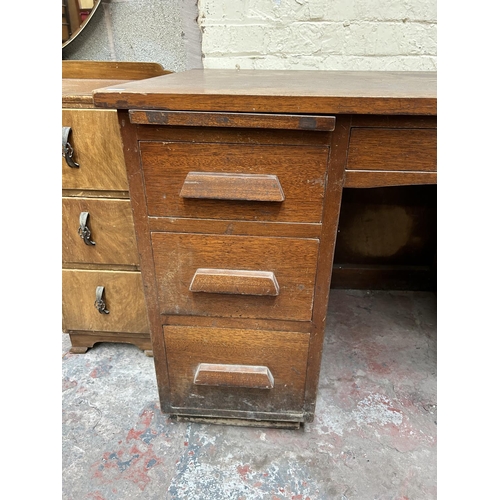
{"x":387,"y":239}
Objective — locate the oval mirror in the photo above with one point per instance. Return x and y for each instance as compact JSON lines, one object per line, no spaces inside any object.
{"x":75,"y":16}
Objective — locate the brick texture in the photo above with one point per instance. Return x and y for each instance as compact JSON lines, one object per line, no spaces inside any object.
{"x":319,"y":34}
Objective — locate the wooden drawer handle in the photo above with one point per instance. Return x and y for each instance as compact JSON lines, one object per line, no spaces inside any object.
{"x":223,"y":186}
{"x":234,"y":282}
{"x":254,"y":377}
{"x":67,"y":149}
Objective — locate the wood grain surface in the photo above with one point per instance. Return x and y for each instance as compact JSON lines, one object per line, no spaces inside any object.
{"x":220,"y":375}
{"x":280,"y":91}
{"x":393,"y":149}
{"x":112,"y":230}
{"x":222,"y":186}
{"x":118,"y":70}
{"x":301,"y":171}
{"x":283,"y":353}
{"x":177,"y":256}
{"x":234,"y":282}
{"x":238,"y":120}
{"x":123,"y":296}
{"x":95,"y":138}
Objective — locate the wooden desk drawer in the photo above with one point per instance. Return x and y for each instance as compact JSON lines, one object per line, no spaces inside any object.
{"x":279,"y":389}
{"x":96,"y":141}
{"x":111,"y":229}
{"x":246,"y":185}
{"x":280,"y":284}
{"x":391,"y":149}
{"x":123,"y":298}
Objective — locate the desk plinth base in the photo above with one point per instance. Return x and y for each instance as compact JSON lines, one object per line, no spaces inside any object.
{"x":238,"y":422}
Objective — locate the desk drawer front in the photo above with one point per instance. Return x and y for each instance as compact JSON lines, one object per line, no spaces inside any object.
{"x":392,"y":149}
{"x":235,"y":276}
{"x":235,"y":369}
{"x":122,"y":297}
{"x":235,"y":181}
{"x":96,"y":142}
{"x":110,"y":227}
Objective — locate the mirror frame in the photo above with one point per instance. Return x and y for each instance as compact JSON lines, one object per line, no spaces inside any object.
{"x":82,"y":26}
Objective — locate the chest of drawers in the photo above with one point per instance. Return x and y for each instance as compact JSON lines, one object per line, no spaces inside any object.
{"x":103,"y":299}
{"x":236,"y":181}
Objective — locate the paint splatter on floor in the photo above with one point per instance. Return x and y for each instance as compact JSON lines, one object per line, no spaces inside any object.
{"x":374,"y":435}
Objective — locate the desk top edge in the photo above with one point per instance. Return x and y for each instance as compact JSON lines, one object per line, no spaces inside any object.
{"x":286,"y":91}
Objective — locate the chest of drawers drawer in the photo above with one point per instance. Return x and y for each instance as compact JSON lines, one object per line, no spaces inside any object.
{"x":237,"y":370}
{"x":98,"y":231}
{"x":97,"y":149}
{"x":261,"y":182}
{"x":121,"y":295}
{"x":235,"y":276}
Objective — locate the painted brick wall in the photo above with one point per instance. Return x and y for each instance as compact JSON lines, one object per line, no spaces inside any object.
{"x":319,"y":34}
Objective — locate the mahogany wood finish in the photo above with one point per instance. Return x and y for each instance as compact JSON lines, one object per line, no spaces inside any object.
{"x":202,"y":259}
{"x":98,"y":187}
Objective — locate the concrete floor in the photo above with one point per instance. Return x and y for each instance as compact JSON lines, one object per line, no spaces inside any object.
{"x":373,"y":437}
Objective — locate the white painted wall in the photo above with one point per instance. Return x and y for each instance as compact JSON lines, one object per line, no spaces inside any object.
{"x":319,"y":34}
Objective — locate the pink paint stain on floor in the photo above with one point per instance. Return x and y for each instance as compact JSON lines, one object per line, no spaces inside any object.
{"x":134,"y":460}
{"x":243,"y":471}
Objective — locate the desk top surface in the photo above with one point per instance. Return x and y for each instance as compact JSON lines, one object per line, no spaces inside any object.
{"x":276,"y":91}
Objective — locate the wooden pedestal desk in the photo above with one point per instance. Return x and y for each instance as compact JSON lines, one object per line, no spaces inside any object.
{"x":99,"y":250}
{"x":236,"y":181}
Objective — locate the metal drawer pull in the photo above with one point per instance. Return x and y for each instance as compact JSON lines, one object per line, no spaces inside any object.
{"x":253,"y":377}
{"x":83,"y":230}
{"x":235,"y":282}
{"x":99,"y":300}
{"x":67,"y":149}
{"x":223,"y":186}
